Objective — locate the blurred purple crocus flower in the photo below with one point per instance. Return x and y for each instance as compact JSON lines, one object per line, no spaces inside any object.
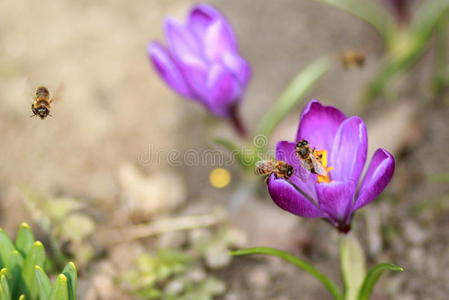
{"x":201,"y":61}
{"x":401,"y":10}
{"x":337,"y":196}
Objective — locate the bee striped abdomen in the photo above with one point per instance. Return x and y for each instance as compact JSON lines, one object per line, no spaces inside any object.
{"x":280,"y":168}
{"x":42,"y":92}
{"x":41,"y":105}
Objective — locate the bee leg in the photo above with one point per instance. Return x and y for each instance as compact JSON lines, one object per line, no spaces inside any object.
{"x":267,"y":179}
{"x":33,"y":109}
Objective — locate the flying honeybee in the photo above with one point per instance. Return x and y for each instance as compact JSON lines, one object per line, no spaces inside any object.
{"x":281,"y":169}
{"x":310,"y":162}
{"x":42,"y":103}
{"x":352,"y":58}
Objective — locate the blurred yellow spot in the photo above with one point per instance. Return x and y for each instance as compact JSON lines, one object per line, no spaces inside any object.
{"x":219,"y":178}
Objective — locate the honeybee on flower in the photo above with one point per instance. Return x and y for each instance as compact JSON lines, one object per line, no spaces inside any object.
{"x":340,"y":147}
{"x":280,"y":169}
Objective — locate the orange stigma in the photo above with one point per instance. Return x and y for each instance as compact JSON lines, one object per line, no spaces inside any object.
{"x":321,"y":156}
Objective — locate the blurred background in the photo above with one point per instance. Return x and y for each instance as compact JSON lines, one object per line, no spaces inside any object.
{"x":98,"y":184}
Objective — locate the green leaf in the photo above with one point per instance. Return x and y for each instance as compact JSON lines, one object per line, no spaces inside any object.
{"x":60,"y":289}
{"x":35,"y":257}
{"x":352,"y":264}
{"x":14,"y":265}
{"x":24,"y":238}
{"x":71,"y":274}
{"x":4,"y":288}
{"x":372,"y":277}
{"x":6,"y":247}
{"x":3,"y":294}
{"x":43,"y":283}
{"x":331,"y":287}
{"x":292,"y":96}
{"x":22,"y":297}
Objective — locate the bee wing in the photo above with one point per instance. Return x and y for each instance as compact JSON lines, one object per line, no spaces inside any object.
{"x":264,"y":157}
{"x":29,"y":90}
{"x":319,"y":169}
{"x":264,"y":166}
{"x":56,"y":96}
{"x":303,"y":171}
{"x":260,"y":164}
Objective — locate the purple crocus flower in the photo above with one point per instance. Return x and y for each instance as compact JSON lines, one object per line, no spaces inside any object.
{"x":401,"y":10}
{"x":201,"y":61}
{"x":343,"y":143}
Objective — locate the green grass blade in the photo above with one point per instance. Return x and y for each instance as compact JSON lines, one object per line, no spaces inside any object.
{"x":43,"y":283}
{"x":35,"y":257}
{"x":60,"y":289}
{"x":6,"y":247}
{"x":293,"y":95}
{"x":372,"y":277}
{"x":370,"y":12}
{"x":5,"y":292}
{"x":428,"y":15}
{"x":71,"y":273}
{"x":24,"y":239}
{"x":331,"y":287}
{"x":14,"y":266}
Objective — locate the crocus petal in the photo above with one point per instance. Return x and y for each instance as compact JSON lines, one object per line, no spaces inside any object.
{"x":181,"y":40}
{"x":335,"y":198}
{"x":196,"y":73}
{"x":377,"y":177}
{"x":319,"y":124}
{"x":201,"y":17}
{"x":348,"y":153}
{"x":167,"y":69}
{"x":238,"y":66}
{"x":223,"y":90}
{"x":289,"y":199}
{"x":218,"y":40}
{"x":285,"y":151}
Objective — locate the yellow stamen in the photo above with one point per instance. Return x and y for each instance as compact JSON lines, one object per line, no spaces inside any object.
{"x":321,"y":156}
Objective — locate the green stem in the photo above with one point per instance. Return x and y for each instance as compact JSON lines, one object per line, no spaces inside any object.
{"x":331,"y":287}
{"x":352,"y":260}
